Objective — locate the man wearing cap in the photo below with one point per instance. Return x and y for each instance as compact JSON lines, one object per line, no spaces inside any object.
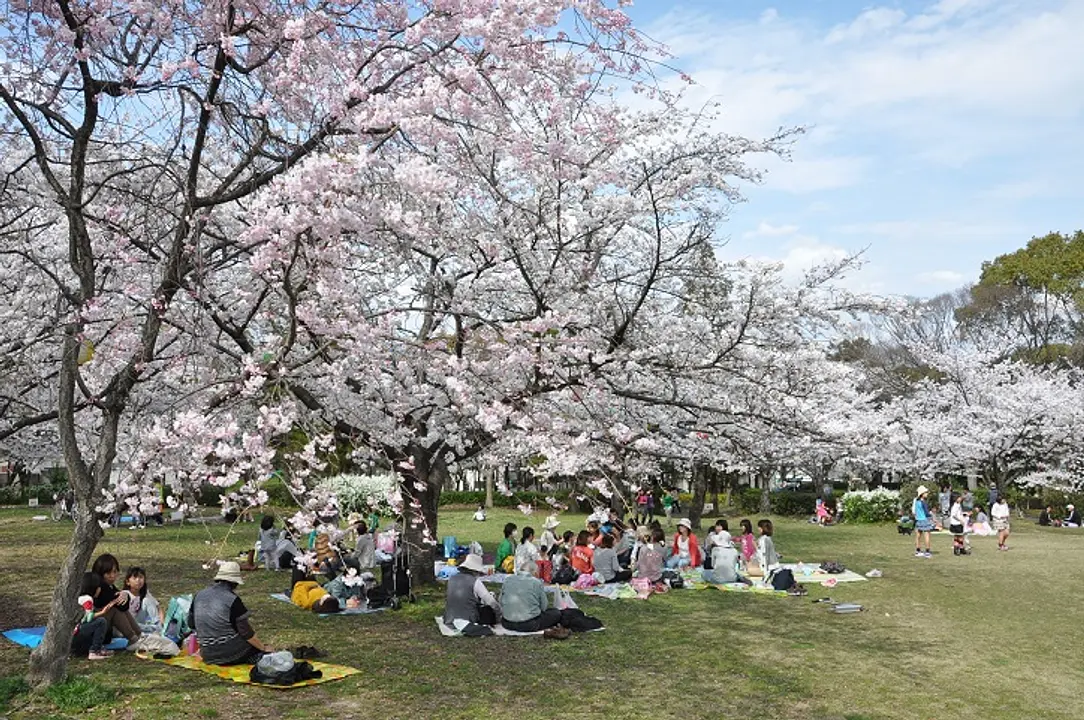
{"x":220,"y":621}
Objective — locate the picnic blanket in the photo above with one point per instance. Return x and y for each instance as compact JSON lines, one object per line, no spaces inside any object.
{"x":345,"y":611}
{"x":614,"y":591}
{"x":759,"y":588}
{"x":31,"y":638}
{"x":816,"y":575}
{"x":497,"y":629}
{"x":239,"y":673}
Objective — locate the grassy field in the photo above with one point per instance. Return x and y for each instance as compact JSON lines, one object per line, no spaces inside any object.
{"x":994,"y":635}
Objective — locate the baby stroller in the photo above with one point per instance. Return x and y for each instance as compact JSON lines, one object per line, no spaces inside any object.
{"x":394,"y":585}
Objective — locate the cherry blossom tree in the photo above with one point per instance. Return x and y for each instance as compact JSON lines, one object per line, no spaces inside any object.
{"x":136,"y":139}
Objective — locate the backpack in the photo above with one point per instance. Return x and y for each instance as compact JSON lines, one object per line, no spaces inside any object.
{"x":564,"y":575}
{"x":577,"y":621}
{"x":175,"y":625}
{"x":300,"y":672}
{"x":782,"y":579}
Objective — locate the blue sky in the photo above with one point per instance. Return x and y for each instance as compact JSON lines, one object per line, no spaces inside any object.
{"x":941,"y":133}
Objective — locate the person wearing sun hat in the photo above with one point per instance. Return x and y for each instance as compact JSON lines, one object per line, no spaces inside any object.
{"x":920,"y":510}
{"x":470,"y":607}
{"x":549,"y":538}
{"x":685,"y":551}
{"x":220,"y":621}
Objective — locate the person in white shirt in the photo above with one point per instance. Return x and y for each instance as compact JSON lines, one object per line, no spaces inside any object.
{"x":957,"y":522}
{"x":999,"y":515}
{"x":480,"y":514}
{"x":718,"y":537}
{"x":527,"y":552}
{"x":549,"y":538}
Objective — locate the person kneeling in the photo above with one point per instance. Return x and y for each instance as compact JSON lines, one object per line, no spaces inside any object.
{"x":470,"y":606}
{"x":524,"y":603}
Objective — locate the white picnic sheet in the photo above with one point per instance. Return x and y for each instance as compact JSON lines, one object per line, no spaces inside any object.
{"x":817,"y":576}
{"x":460,"y":624}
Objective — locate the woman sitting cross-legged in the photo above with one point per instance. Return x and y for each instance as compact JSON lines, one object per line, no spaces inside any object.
{"x":606,"y":563}
{"x":470,"y":606}
{"x":524,"y":603}
{"x":685,"y":551}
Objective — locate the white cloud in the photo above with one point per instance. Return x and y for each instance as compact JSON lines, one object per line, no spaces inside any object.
{"x":766,"y":229}
{"x":949,"y":278}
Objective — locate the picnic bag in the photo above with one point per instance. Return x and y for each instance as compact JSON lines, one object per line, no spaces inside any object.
{"x":578,"y":621}
{"x":154,"y":645}
{"x":565,"y":575}
{"x":832,"y":567}
{"x":782,"y":579}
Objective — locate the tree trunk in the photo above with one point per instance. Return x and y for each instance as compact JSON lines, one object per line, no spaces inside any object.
{"x":765,"y":479}
{"x":49,"y":661}
{"x":714,"y":489}
{"x":489,"y":487}
{"x":699,"y":491}
{"x":420,"y":536}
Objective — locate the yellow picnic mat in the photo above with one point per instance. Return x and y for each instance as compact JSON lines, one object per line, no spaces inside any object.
{"x":239,"y":673}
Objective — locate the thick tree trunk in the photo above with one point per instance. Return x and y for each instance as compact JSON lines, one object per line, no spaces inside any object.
{"x":422,"y":486}
{"x":489,"y":487}
{"x":49,"y":661}
{"x":765,"y":479}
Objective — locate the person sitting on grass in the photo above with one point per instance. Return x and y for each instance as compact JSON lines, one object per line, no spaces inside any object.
{"x":114,"y":602}
{"x":527,"y":550}
{"x":767,"y":557}
{"x":1046,"y":517}
{"x":823,"y":514}
{"x":365,"y":550}
{"x":981,"y":525}
{"x":685,"y":551}
{"x":480,"y":514}
{"x":220,"y":621}
{"x":470,"y":607}
{"x":93,"y":628}
{"x":524,"y":605}
{"x":724,"y":566}
{"x":506,"y":551}
{"x":719,"y":536}
{"x":1072,"y":518}
{"x":144,"y":607}
{"x":606,"y":564}
{"x":650,"y":558}
{"x":582,"y":556}
{"x":748,"y":542}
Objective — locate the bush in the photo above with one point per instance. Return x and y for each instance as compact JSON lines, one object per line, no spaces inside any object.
{"x":748,"y":500}
{"x":278,"y":493}
{"x":871,"y":506}
{"x":793,"y":503}
{"x":474,"y":498}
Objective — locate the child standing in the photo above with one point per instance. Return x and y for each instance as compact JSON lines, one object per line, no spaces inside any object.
{"x":923,"y":521}
{"x":956,"y":526}
{"x":999,"y":515}
{"x":748,"y":541}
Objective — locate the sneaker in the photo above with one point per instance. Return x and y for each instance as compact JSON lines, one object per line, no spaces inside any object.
{"x":919,"y":553}
{"x":100,"y":655}
{"x":927,"y":554}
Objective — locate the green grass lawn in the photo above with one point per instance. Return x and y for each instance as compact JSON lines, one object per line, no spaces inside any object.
{"x":994,"y":635}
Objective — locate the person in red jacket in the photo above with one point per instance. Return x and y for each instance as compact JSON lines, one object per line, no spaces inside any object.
{"x":582,"y":556}
{"x":685,"y":552}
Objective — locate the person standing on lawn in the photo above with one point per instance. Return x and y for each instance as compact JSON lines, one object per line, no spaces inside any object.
{"x":920,"y":510}
{"x":999,"y":516}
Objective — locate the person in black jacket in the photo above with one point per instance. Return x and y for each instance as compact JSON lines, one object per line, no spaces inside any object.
{"x":1071,"y":520}
{"x":1046,"y":517}
{"x":113,"y":601}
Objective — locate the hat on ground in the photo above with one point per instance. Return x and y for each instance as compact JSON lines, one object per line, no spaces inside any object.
{"x":473,"y":563}
{"x":922,"y":490}
{"x":551,"y":522}
{"x":686,"y":522}
{"x":230,"y":572}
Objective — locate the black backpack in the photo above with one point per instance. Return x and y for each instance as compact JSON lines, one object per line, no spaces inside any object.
{"x":783,"y":579}
{"x":300,"y":672}
{"x":565,"y":575}
{"x":577,"y":621}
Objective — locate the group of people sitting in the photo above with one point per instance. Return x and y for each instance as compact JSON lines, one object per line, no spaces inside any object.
{"x":1049,"y":519}
{"x":104,"y":610}
{"x":607,"y":550}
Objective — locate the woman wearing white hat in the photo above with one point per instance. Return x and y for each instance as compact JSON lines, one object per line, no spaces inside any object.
{"x":1072,"y":519}
{"x":470,"y":606}
{"x":220,"y":621}
{"x":549,"y":538}
{"x":685,"y":551}
{"x":923,"y":521}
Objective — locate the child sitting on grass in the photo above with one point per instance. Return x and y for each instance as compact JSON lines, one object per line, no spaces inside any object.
{"x":143,"y":606}
{"x":93,"y":627}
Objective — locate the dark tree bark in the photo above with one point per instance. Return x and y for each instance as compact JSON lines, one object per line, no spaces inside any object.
{"x":699,"y":482}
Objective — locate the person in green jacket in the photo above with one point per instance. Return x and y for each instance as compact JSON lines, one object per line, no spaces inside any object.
{"x":507,"y":549}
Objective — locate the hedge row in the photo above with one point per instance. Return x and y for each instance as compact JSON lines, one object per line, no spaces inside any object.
{"x":787,"y":502}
